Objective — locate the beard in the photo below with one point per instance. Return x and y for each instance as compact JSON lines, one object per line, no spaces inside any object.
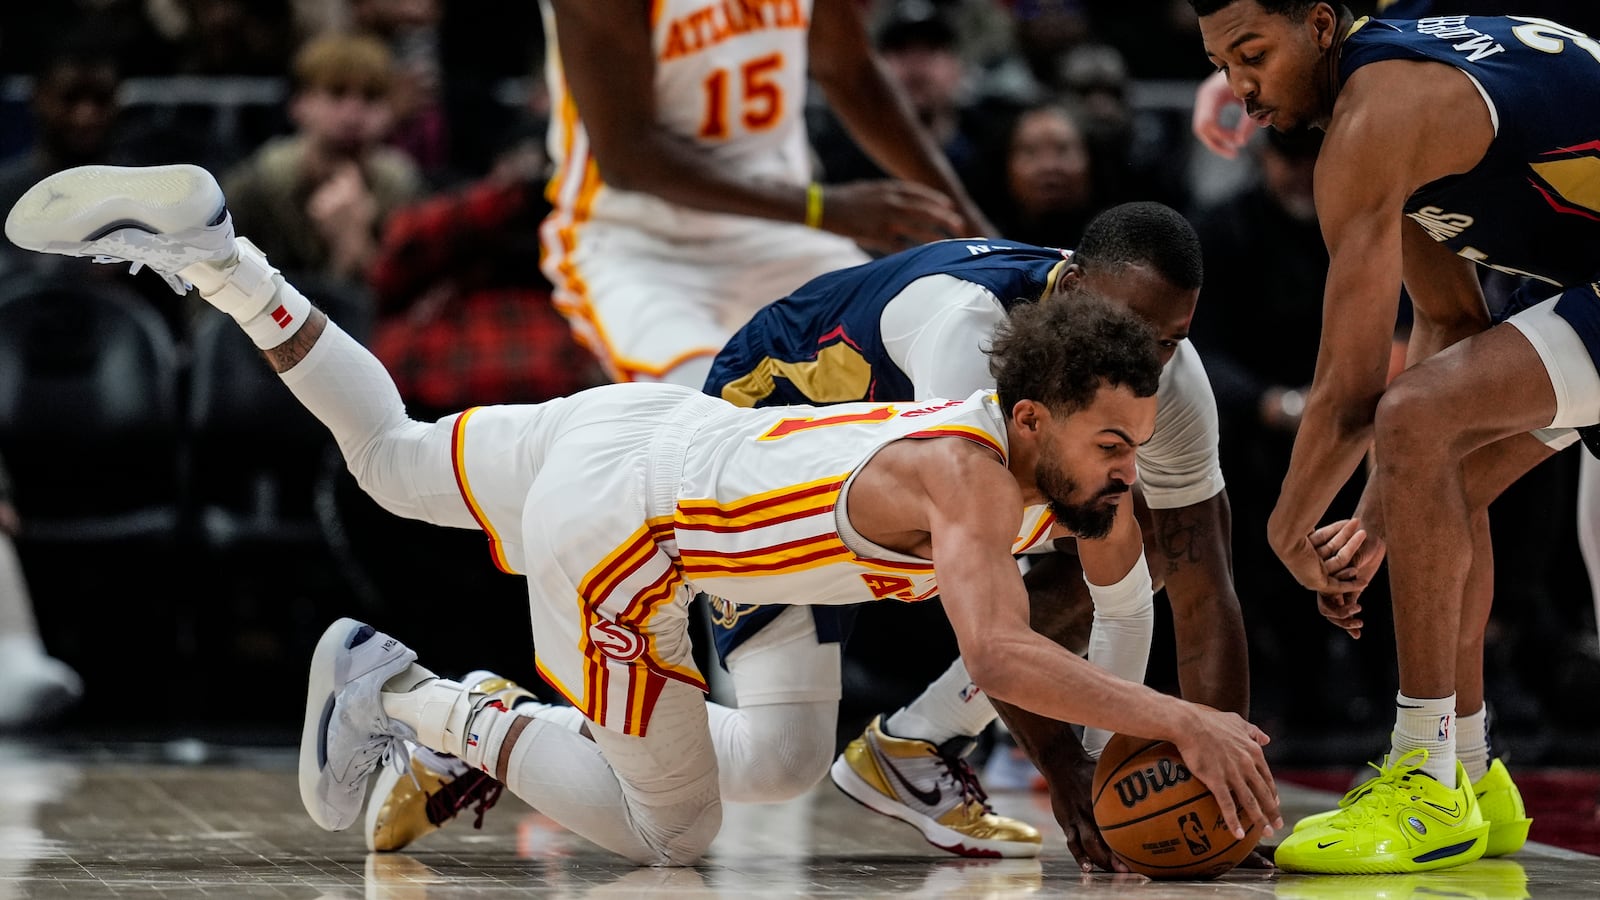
{"x":1090,"y":520}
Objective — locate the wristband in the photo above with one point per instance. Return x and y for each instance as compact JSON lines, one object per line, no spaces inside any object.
{"x":813,"y":205}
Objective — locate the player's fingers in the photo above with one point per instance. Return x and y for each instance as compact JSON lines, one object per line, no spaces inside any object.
{"x":1224,"y":792}
{"x":1215,"y":138}
{"x":1243,"y":129}
{"x":1343,"y":555}
{"x":1326,"y":533}
{"x":1250,"y":811}
{"x":933,"y":219}
{"x":1090,"y":850}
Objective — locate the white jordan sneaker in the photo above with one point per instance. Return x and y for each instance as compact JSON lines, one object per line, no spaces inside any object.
{"x":164,"y":217}
{"x":346,"y":732}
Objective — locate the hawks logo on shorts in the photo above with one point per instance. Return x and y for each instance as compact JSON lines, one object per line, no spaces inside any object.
{"x":619,"y":643}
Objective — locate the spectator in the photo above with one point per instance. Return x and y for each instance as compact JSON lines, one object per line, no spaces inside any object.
{"x":920,"y":48}
{"x":235,"y":37}
{"x":410,"y":29}
{"x":464,"y":314}
{"x":1037,"y":184}
{"x":317,"y":199}
{"x":75,"y":117}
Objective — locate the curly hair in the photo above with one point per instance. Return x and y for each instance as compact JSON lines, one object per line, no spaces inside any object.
{"x":1060,"y":351}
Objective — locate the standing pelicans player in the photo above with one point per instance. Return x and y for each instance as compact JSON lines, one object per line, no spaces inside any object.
{"x":683,"y":196}
{"x":1452,"y":141}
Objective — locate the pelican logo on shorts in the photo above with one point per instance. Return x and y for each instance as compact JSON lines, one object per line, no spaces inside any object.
{"x":726,"y":613}
{"x":616,"y":641}
{"x":1133,"y":788}
{"x":1194,"y":833}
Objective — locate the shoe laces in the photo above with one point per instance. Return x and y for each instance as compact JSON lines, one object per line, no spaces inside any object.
{"x":473,"y":788}
{"x":952,"y":756}
{"x":178,"y":285}
{"x":1365,"y":800}
{"x":383,"y":748}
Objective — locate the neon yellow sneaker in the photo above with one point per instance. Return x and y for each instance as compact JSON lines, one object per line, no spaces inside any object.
{"x":1501,"y":804}
{"x":932,"y":787}
{"x":1486,"y":879}
{"x":1398,"y":822}
{"x":1499,"y":801}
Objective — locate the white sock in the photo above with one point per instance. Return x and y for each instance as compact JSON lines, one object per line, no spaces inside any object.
{"x":250,"y":290}
{"x":1427,"y":724}
{"x":951,"y":707}
{"x":1472,"y":743}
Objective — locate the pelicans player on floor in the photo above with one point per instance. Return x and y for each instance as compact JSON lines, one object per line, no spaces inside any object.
{"x":617,"y":503}
{"x":914,"y":325}
{"x":683,"y":191}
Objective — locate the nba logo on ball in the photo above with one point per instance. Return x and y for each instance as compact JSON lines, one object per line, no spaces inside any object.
{"x":1158,"y":818}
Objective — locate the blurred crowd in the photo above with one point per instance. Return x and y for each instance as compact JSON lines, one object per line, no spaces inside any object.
{"x":389,"y":156}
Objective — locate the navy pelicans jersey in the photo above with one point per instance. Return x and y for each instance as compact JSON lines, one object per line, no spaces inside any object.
{"x":756,"y":517}
{"x":1531,"y":207}
{"x":823,"y":344}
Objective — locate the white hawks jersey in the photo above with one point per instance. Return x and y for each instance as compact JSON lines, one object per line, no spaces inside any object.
{"x":756,"y":522}
{"x":730,"y":77}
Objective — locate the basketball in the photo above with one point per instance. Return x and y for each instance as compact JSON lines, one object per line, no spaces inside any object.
{"x":1160,"y":819}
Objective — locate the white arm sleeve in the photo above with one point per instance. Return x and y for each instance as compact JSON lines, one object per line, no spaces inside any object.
{"x":1179,"y":465}
{"x":936,"y":331}
{"x":1119,"y":639}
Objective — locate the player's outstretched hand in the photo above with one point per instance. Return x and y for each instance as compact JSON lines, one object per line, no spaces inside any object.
{"x":1072,"y":801}
{"x":1211,"y":100}
{"x":889,"y":215}
{"x":1224,"y":752}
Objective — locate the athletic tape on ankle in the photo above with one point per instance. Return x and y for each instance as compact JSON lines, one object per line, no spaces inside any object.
{"x":268,"y":308}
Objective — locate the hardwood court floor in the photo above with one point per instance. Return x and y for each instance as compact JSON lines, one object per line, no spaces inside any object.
{"x":113,"y":825}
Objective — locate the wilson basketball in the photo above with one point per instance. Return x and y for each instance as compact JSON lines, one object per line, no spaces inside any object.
{"x":1160,"y":819}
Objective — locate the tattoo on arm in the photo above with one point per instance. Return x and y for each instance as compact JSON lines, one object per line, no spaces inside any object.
{"x":288,"y":354}
{"x":1180,"y":533}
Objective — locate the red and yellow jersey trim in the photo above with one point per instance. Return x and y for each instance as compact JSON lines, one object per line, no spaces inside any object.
{"x":647,"y":674}
{"x":458,"y":460}
{"x":769,"y":508}
{"x":1032,"y":536}
{"x":971,"y":433}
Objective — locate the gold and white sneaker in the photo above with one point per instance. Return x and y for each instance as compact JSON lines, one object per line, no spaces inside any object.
{"x":933,"y":788}
{"x":407,"y":804}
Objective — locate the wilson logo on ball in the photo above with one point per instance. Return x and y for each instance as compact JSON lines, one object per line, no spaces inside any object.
{"x":1136,"y":786}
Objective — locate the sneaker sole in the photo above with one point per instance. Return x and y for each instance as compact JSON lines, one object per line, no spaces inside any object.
{"x":322,"y":688}
{"x":1473,"y":842}
{"x":856,"y":788}
{"x":72,"y":210}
